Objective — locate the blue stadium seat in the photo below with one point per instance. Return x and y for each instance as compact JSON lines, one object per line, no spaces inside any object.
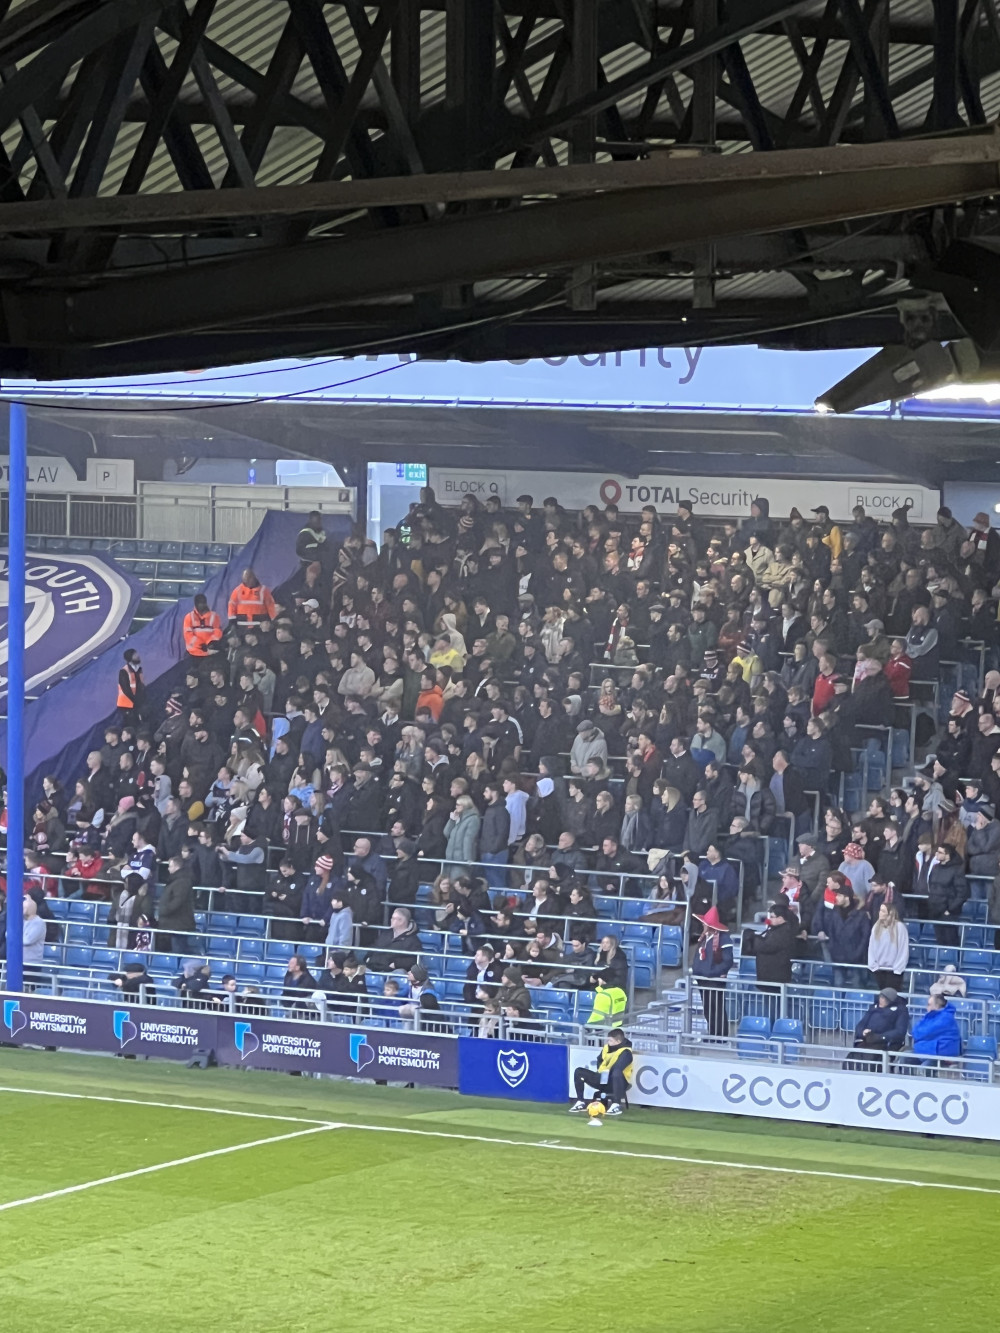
{"x":638,"y":934}
{"x":169,"y":569}
{"x":643,"y":965}
{"x":55,"y":544}
{"x":218,"y":551}
{"x":968,"y":1013}
{"x":79,"y":910}
{"x":255,"y":926}
{"x":192,"y":569}
{"x":605,"y":905}
{"x":79,"y":545}
{"x":752,"y":1036}
{"x":170,"y":549}
{"x":979,"y":1072}
{"x":631,"y":909}
{"x":278,"y":950}
{"x":276,"y":973}
{"x":670,"y":954}
{"x":748,"y":966}
{"x":142,"y":569}
{"x":79,"y":934}
{"x":222,"y":923}
{"x":252,"y":974}
{"x":147,"y":548}
{"x":164,"y":589}
{"x":975,"y":960}
{"x":189,"y":588}
{"x":105,"y":958}
{"x":103,"y":912}
{"x":77,"y":956}
{"x":52,"y":954}
{"x":102,"y":544}
{"x":164,"y":962}
{"x":194,"y":550}
{"x":975,"y":910}
{"x":790,"y":1032}
{"x":250,"y":947}
{"x":221,"y":946}
{"x":987,"y":988}
{"x":456,"y":966}
{"x":823,"y":1014}
{"x":60,"y":908}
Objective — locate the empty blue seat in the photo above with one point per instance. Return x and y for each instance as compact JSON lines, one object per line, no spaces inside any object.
{"x":165,"y":589}
{"x":975,"y":960}
{"x":222,"y":923}
{"x":670,"y":954}
{"x":220,"y":946}
{"x":55,"y":544}
{"x":102,"y":543}
{"x":192,"y":569}
{"x":748,"y":966}
{"x":60,"y":908}
{"x":984,"y":987}
{"x":278,"y":950}
{"x":169,"y":569}
{"x":638,"y":934}
{"x":787,"y":1029}
{"x":643,"y":965}
{"x":276,"y":973}
{"x":631,"y":909}
{"x":78,"y":545}
{"x":606,"y":905}
{"x":253,"y":925}
{"x":823,"y":1013}
{"x":252,"y":974}
{"x":147,"y":548}
{"x":190,"y":588}
{"x":104,"y":958}
{"x":752,"y":1037}
{"x":170,"y":549}
{"x":194,"y":550}
{"x":163,"y":962}
{"x":456,"y":967}
{"x":986,"y":1046}
{"x":250,"y":946}
{"x":142,"y":569}
{"x":76,"y":956}
{"x":218,"y":551}
{"x":79,"y":934}
{"x":52,"y":953}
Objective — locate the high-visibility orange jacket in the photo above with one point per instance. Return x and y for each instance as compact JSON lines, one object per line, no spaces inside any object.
{"x":251,"y":603}
{"x":130,"y":687}
{"x":200,"y":630}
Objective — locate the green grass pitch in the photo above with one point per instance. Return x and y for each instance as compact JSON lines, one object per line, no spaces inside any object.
{"x":378,"y":1230}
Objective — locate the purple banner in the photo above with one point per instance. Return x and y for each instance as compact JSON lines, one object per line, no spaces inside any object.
{"x":172,"y":1034}
{"x":255,"y":1043}
{"x":334,"y":1048}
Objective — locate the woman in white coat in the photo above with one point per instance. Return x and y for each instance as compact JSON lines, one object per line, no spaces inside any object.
{"x":888,"y":948}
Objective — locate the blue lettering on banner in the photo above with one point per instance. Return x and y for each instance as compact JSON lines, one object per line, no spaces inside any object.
{"x":901,"y":1105}
{"x":74,"y":607}
{"x":525,"y":1071}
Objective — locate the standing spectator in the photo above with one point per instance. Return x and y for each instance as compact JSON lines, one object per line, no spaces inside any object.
{"x":888,"y":948}
{"x":947,"y":890}
{"x":175,"y":911}
{"x":712,"y":962}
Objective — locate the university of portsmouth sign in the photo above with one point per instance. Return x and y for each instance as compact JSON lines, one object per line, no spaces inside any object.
{"x":75,"y":606}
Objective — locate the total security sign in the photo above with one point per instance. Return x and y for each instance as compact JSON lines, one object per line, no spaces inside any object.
{"x":75,"y":606}
{"x":915,"y":1104}
{"x":525,"y":1071}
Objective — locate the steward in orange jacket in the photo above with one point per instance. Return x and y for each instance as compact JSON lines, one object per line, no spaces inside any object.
{"x":251,"y":602}
{"x":202,"y":629}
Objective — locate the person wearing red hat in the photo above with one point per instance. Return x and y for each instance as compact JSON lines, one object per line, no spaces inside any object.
{"x":713,"y":957}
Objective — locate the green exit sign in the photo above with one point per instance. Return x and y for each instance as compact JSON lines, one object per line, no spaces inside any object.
{"x":412,"y":472}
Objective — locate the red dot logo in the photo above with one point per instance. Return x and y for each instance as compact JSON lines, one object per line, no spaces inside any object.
{"x":610,"y":492}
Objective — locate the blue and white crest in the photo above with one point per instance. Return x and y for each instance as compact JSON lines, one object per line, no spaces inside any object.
{"x":512,"y":1066}
{"x":75,"y":606}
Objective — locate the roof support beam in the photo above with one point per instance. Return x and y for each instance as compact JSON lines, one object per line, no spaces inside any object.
{"x":705,"y":200}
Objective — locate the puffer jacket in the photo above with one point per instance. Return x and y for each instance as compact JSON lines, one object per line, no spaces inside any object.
{"x":937,"y":1033}
{"x":462,"y":841}
{"x":889,"y":1025}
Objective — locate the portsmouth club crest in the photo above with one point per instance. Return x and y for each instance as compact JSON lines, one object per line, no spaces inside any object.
{"x":75,"y":606}
{"x":512,"y":1066}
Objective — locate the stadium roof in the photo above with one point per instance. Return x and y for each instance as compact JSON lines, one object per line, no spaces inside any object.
{"x":208,"y":181}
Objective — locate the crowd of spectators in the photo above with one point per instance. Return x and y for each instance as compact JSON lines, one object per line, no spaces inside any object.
{"x":528,"y":701}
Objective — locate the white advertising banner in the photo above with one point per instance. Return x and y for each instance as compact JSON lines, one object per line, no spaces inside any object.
{"x":105,"y":476}
{"x":915,"y":1104}
{"x":715,"y":496}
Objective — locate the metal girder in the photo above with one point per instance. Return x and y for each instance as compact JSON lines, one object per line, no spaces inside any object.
{"x":704,"y":200}
{"x":54,"y":61}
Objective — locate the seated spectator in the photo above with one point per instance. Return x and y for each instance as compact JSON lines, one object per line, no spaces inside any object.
{"x":885,"y":1025}
{"x":397,"y":944}
{"x":937,"y":1033}
{"x":949,"y":984}
{"x":613,"y":1076}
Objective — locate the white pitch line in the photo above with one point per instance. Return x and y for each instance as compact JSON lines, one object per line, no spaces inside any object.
{"x":669,"y":1157}
{"x":515,"y":1143}
{"x":163,"y":1166}
{"x":169,"y":1106}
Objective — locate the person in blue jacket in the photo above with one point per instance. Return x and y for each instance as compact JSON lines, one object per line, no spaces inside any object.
{"x":713,"y":957}
{"x":937,"y":1033}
